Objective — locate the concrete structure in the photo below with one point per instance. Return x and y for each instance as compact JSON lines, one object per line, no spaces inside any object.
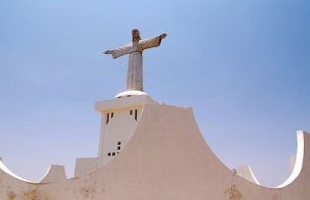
{"x":120,"y":118}
{"x":135,"y":64}
{"x":165,"y":158}
{"x":152,"y":151}
{"x":55,"y":173}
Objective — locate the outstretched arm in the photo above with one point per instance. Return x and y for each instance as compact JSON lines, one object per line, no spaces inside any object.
{"x":162,"y":36}
{"x":118,"y":52}
{"x":151,"y":42}
{"x":108,"y":52}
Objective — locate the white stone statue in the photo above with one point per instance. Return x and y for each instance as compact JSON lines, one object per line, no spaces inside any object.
{"x":135,"y":49}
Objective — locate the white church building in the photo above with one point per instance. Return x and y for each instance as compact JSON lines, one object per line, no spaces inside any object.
{"x":152,"y":151}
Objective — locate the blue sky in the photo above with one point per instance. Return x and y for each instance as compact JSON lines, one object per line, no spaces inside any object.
{"x":243,"y":66}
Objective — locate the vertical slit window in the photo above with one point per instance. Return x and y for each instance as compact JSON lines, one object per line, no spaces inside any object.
{"x":112,"y":114}
{"x":108,"y":118}
{"x":136,"y":114}
{"x":130,"y":112}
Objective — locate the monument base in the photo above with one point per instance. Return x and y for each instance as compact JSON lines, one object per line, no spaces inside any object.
{"x":127,"y":93}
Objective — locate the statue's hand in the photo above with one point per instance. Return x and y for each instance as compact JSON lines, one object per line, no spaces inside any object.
{"x":108,"y":52}
{"x":162,"y":36}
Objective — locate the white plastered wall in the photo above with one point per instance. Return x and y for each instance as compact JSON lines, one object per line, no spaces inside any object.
{"x":117,"y":131}
{"x":166,"y":158}
{"x":119,"y":120}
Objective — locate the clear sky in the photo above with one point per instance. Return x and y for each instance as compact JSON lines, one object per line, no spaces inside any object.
{"x":244,"y":67}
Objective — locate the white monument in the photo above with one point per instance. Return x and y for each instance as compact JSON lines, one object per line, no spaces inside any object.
{"x":120,"y":116}
{"x":152,"y":151}
{"x":135,"y":64}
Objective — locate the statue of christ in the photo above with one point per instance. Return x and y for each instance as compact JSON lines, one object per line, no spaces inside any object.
{"x":135,"y":49}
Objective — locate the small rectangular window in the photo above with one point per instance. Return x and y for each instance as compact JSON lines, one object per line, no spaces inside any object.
{"x":119,"y":143}
{"x":109,"y":154}
{"x":113,"y":154}
{"x":130,"y":112}
{"x":119,"y":148}
{"x":112,"y":114}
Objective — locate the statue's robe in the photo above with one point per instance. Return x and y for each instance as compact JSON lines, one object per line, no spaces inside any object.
{"x":135,"y":65}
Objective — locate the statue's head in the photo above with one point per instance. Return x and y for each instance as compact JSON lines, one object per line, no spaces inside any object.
{"x":136,"y":35}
